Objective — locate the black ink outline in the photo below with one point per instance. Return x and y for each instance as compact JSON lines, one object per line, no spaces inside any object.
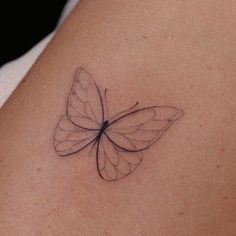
{"x":106,"y":129}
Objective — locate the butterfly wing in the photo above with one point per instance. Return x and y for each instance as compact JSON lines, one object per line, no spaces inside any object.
{"x":114,"y":163}
{"x":84,"y":116}
{"x":84,"y":105}
{"x":139,"y":129}
{"x":69,"y":138}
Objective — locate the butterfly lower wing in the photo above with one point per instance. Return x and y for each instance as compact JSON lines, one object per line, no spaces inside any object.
{"x":84,"y":105}
{"x":69,"y":138}
{"x":114,"y":163}
{"x":139,"y":129}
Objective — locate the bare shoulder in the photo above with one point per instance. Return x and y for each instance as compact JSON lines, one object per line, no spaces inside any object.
{"x":79,"y":154}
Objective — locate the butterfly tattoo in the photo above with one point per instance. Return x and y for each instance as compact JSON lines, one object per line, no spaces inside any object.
{"x":120,"y":139}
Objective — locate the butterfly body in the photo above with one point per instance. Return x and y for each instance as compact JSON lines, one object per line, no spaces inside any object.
{"x":119,"y":139}
{"x":102,"y":130}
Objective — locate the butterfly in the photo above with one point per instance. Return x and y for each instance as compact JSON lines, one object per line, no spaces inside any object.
{"x":120,"y":139}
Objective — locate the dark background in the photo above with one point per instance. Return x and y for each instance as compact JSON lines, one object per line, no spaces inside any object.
{"x":24,"y":23}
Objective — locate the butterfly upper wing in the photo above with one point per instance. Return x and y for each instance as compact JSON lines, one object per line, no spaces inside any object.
{"x":114,"y":163}
{"x":139,"y":129}
{"x":84,"y":105}
{"x":69,"y":138}
{"x":84,"y":116}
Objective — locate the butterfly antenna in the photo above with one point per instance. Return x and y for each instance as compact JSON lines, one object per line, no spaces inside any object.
{"x":107,"y":114}
{"x":124,"y":111}
{"x":135,"y":104}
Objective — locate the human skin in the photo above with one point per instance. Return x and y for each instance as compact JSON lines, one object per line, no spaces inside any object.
{"x":178,"y":53}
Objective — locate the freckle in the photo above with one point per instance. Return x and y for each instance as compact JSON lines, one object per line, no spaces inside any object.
{"x":39,"y":169}
{"x":144,"y":37}
{"x":217,"y":166}
{"x":48,"y":199}
{"x":24,"y":80}
{"x":222,"y":150}
{"x":225,"y":198}
{"x":182,"y":179}
{"x":181,"y":213}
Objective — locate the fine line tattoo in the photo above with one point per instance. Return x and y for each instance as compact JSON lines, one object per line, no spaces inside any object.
{"x":118,"y":140}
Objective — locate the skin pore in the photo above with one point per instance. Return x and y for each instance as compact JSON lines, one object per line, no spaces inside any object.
{"x":165,"y":53}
